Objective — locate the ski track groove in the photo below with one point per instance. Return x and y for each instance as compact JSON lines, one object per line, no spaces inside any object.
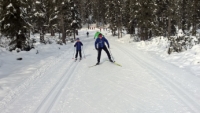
{"x":171,"y":84}
{"x":62,"y":82}
{"x":40,"y":73}
{"x":12,"y":95}
{"x":54,"y":93}
{"x":58,"y":95}
{"x":63,"y":67}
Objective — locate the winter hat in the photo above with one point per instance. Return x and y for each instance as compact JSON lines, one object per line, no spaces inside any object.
{"x":77,"y":38}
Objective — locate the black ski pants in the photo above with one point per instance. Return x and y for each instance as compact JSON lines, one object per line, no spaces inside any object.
{"x":78,"y":51}
{"x":99,"y":53}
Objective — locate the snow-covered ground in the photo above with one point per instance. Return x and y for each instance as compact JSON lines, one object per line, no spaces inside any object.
{"x":158,"y":47}
{"x":149,"y":81}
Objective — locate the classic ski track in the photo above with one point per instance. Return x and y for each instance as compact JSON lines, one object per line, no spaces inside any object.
{"x":48,"y":103}
{"x":54,"y":93}
{"x":13,"y":95}
{"x":39,"y":74}
{"x":58,"y":62}
{"x":58,"y":95}
{"x":177,"y":89}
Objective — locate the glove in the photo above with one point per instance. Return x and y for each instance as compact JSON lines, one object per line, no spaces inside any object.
{"x":96,"y":48}
{"x":109,"y":47}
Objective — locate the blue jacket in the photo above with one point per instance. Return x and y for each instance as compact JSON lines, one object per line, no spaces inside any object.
{"x":78,"y":45}
{"x":100,"y":43}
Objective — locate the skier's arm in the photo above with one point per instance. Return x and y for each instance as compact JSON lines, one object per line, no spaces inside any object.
{"x":96,"y":44}
{"x":75,"y":44}
{"x":81,"y":44}
{"x":107,"y":42}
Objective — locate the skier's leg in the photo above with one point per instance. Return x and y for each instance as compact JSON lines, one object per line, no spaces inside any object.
{"x":76,"y":54}
{"x":99,"y":55}
{"x":107,"y":52}
{"x":80,"y":54}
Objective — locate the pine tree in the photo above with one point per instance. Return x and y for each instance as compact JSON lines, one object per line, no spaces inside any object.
{"x":88,"y":12}
{"x":52,"y":16}
{"x":39,"y":18}
{"x":75,"y":18}
{"x":145,"y":14}
{"x":14,"y":23}
{"x":45,"y":17}
{"x":111,"y":16}
{"x":65,"y":19}
{"x":128,"y":19}
{"x":194,"y":13}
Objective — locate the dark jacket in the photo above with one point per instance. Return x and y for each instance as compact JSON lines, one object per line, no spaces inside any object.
{"x":78,"y":45}
{"x":100,"y":43}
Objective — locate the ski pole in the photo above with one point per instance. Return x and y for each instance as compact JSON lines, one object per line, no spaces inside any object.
{"x":73,"y":53}
{"x":83,"y":51}
{"x":111,"y":55}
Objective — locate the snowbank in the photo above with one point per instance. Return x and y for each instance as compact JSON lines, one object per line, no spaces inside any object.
{"x":125,"y":39}
{"x":189,"y":59}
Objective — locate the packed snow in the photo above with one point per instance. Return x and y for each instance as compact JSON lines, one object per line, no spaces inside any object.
{"x":48,"y":80}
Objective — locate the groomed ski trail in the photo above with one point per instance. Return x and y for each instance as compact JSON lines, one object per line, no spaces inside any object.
{"x":162,"y":74}
{"x":144,"y":84}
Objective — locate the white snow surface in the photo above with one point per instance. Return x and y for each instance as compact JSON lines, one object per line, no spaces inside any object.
{"x":10,"y":5}
{"x":38,"y":2}
{"x":149,"y":81}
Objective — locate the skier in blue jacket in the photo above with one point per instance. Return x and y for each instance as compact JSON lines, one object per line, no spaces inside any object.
{"x":78,"y":45}
{"x":99,"y":45}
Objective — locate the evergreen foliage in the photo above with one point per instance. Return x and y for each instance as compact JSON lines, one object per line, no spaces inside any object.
{"x":144,"y":18}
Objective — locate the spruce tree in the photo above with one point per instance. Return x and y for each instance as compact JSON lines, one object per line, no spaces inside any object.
{"x":112,"y":16}
{"x":65,"y":19}
{"x":14,"y":23}
{"x":75,"y":18}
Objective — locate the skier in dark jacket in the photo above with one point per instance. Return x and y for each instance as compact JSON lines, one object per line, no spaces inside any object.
{"x":78,"y":45}
{"x":99,"y":45}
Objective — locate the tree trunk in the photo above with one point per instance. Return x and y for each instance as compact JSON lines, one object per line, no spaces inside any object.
{"x":169,"y":27}
{"x":118,"y":32}
{"x":141,"y":33}
{"x":194,"y":19}
{"x":121,"y":32}
{"x":121,"y":22}
{"x":52,"y":32}
{"x":42,"y":37}
{"x":150,"y":34}
{"x":64,"y":36}
{"x":74,"y":34}
{"x":63,"y":30}
{"x":146,"y":33}
{"x":194,"y":27}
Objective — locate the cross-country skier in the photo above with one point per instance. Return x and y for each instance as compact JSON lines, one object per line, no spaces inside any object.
{"x":78,"y":45}
{"x":99,"y":45}
{"x":87,"y":34}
